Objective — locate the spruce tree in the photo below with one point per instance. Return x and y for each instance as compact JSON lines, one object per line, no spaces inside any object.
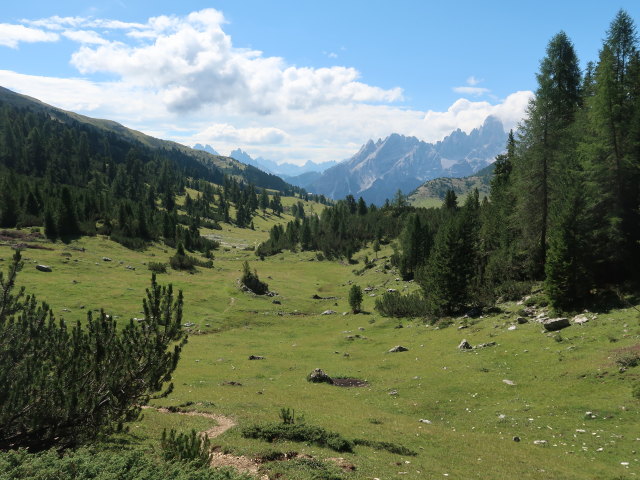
{"x":544,"y":145}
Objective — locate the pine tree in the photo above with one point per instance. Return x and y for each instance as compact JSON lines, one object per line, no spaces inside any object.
{"x":67,"y":219}
{"x":610,"y":150}
{"x":446,"y":277}
{"x":545,"y":143}
{"x":66,"y":385}
{"x":355,"y":298}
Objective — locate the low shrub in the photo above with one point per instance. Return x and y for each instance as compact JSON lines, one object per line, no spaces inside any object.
{"x":182,"y":447}
{"x":157,"y":267}
{"x":628,"y":358}
{"x":251,"y":281}
{"x":299,"y":433}
{"x":392,"y":304}
{"x":92,"y":463}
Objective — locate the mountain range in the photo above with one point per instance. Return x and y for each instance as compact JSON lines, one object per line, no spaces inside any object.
{"x":285,"y":170}
{"x":380,"y":168}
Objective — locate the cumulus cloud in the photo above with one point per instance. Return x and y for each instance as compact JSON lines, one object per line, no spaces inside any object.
{"x":12,"y":35}
{"x":86,"y":37}
{"x":240,"y":136}
{"x":190,"y":61}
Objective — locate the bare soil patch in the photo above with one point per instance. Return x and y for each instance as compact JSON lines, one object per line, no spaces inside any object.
{"x":350,"y":382}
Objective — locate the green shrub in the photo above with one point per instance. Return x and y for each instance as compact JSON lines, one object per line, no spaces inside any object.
{"x":64,"y":385}
{"x":628,"y":359}
{"x":182,"y":261}
{"x":392,"y":304}
{"x":184,"y":447}
{"x":89,"y":464}
{"x":299,"y":433}
{"x":157,"y":267}
{"x":251,"y":281}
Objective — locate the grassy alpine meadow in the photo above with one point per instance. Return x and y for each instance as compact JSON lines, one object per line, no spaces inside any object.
{"x":531,"y":405}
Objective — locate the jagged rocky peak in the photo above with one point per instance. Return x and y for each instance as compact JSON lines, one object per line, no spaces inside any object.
{"x":379,"y":169}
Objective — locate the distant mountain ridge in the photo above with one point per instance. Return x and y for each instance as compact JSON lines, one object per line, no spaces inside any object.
{"x":380,"y":168}
{"x":288,"y":170}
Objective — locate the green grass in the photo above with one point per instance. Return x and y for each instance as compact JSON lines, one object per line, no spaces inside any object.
{"x":474,"y":415}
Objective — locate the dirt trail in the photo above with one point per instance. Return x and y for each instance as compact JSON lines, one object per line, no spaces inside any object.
{"x":219,"y":459}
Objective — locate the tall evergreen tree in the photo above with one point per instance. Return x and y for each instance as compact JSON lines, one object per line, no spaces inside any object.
{"x":545,"y":143}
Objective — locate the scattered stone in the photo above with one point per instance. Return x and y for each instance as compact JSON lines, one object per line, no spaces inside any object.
{"x":508,"y":382}
{"x":512,"y":327}
{"x":391,"y":290}
{"x":393,"y":392}
{"x":398,"y":348}
{"x":521,"y":320}
{"x":462,"y":327}
{"x":129,"y":267}
{"x":464,"y":345}
{"x":580,"y":319}
{"x":44,"y":268}
{"x":424,"y":420}
{"x":318,"y":376}
{"x":368,"y":289}
{"x":540,"y":442}
{"x":361,"y":329}
{"x":329,"y":312}
{"x":256,"y":357}
{"x":276,"y":302}
{"x":232,"y":384}
{"x":188,"y":324}
{"x":399,"y":326}
{"x":553,"y":324}
{"x":106,"y":259}
{"x":516,"y":439}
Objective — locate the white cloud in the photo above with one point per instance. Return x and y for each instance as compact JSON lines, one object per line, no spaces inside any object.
{"x":86,"y":37}
{"x":190,"y":62}
{"x":475,"y":91}
{"x":240,"y":136}
{"x":12,"y":35}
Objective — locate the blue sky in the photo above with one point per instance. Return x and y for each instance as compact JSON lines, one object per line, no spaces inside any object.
{"x":291,"y":80}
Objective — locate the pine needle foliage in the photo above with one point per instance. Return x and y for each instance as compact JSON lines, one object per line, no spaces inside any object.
{"x":65,"y":385}
{"x":192,"y":447}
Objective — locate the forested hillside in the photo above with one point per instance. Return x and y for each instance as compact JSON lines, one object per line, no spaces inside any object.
{"x":80,"y":176}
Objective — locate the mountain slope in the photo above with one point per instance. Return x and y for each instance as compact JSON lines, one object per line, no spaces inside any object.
{"x":380,"y":168}
{"x":432,"y":192}
{"x":216,"y":164}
